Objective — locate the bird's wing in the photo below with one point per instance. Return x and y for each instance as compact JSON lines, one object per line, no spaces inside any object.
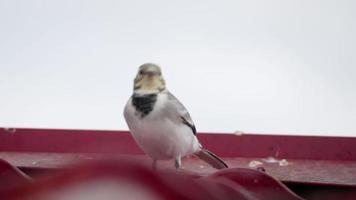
{"x":183,"y":113}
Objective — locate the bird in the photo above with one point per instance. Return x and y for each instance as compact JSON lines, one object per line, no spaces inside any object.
{"x":160,"y":124}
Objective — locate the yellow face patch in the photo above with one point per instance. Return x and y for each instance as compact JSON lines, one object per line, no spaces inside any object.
{"x":149,"y":79}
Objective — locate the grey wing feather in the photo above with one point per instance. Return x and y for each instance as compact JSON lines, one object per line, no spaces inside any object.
{"x":182,"y":112}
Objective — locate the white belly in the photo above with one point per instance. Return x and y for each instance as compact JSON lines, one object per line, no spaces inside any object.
{"x":160,"y":136}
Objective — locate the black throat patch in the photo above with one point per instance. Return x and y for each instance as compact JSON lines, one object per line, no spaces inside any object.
{"x":144,"y":103}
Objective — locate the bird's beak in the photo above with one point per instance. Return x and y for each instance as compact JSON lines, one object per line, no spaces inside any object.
{"x":150,"y":75}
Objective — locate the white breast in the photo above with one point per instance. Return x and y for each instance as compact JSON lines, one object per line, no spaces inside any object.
{"x":161,"y":134}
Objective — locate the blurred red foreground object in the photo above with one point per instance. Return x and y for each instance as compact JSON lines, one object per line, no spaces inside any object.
{"x":130,"y":180}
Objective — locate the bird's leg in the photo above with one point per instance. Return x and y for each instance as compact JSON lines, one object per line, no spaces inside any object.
{"x":154,"y":165}
{"x":178,"y":162}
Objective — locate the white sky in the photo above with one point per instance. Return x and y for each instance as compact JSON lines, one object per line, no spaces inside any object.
{"x":278,"y":66}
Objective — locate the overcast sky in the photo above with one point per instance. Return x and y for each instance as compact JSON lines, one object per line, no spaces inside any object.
{"x":278,"y":66}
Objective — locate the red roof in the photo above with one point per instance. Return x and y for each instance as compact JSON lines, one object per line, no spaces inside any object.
{"x":297,"y":161}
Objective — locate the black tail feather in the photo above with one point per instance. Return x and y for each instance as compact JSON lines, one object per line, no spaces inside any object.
{"x":211,"y":159}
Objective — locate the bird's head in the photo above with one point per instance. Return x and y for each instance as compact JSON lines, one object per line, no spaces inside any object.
{"x":149,"y":79}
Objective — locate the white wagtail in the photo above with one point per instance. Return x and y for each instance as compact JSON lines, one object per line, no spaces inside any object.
{"x":159,"y":122}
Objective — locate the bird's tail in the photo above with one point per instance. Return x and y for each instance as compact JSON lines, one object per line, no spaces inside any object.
{"x":211,"y":159}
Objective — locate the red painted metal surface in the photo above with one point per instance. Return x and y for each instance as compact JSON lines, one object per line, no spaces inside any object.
{"x":226,"y":145}
{"x":11,"y":177}
{"x":242,"y":184}
{"x":325,"y":172}
{"x":310,"y":161}
{"x":67,"y":141}
{"x":323,"y":160}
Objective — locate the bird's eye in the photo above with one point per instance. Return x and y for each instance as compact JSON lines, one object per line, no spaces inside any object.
{"x":141,"y":72}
